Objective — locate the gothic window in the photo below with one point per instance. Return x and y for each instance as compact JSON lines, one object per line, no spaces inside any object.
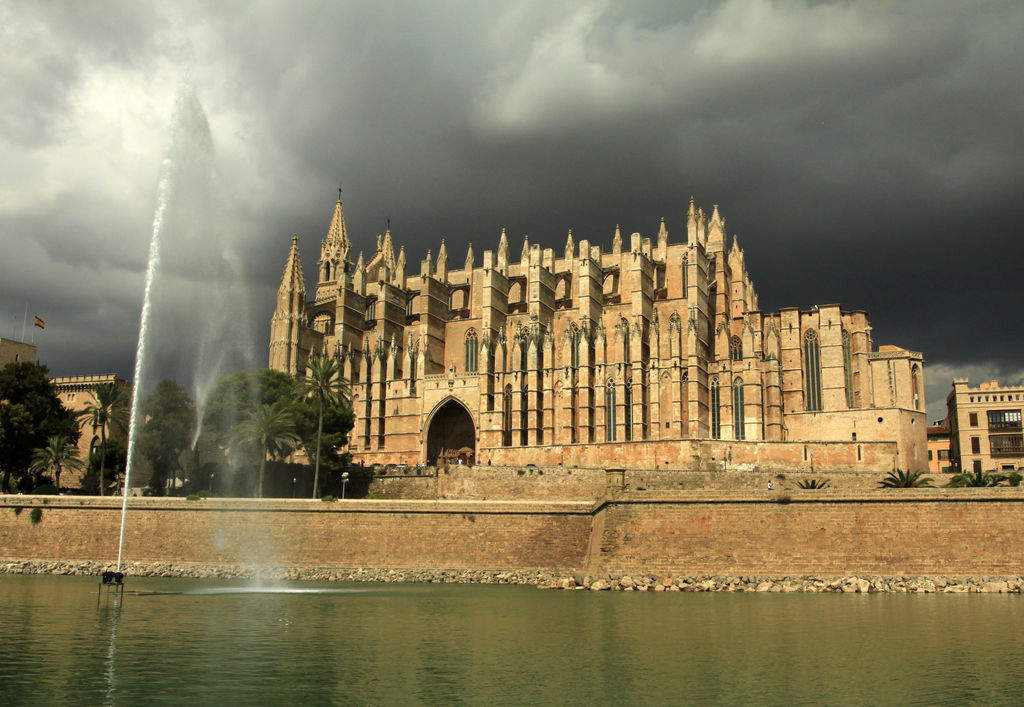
{"x":624,"y":326}
{"x":675,"y":334}
{"x":609,"y":405}
{"x":716,"y":410}
{"x":506,"y":417}
{"x":472,"y":348}
{"x":848,"y":368}
{"x":524,"y":350}
{"x":735,"y":348}
{"x":371,"y":310}
{"x":685,"y":277}
{"x":627,"y":410}
{"x":737,"y":408}
{"x":812,"y":371}
{"x":574,"y":346}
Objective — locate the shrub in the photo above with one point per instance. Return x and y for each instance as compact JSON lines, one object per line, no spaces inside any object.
{"x":1014,"y":478}
{"x":812,"y":483}
{"x":780,"y":477}
{"x":193,"y":497}
{"x":979,"y":479}
{"x":36,"y":515}
{"x":17,"y":510}
{"x":783,"y":499}
{"x":900,"y":479}
{"x":46,"y":490}
{"x":328,"y":498}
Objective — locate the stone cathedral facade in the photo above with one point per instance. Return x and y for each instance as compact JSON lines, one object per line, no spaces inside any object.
{"x":653,"y":353}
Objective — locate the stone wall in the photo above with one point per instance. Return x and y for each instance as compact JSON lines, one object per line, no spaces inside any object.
{"x":364,"y":533}
{"x":950,"y":532}
{"x":900,"y":532}
{"x":567,"y":483}
{"x":712,"y":455}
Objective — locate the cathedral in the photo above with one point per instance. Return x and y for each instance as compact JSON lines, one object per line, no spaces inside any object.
{"x":652,"y":354}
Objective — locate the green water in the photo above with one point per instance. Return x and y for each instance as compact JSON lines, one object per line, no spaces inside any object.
{"x":221,"y":643}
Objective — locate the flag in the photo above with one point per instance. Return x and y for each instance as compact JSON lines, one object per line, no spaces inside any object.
{"x":40,"y":323}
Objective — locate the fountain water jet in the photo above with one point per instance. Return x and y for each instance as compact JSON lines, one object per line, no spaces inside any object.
{"x":190,"y":328}
{"x":163,"y":197}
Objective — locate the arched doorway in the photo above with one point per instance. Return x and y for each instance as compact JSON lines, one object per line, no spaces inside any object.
{"x":451,"y":436}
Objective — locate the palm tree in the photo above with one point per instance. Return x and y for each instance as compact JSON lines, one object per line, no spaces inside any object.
{"x":106,"y":408}
{"x":900,"y":479}
{"x":58,"y":454}
{"x":273,"y":428}
{"x":326,"y":386}
{"x":812,"y":483}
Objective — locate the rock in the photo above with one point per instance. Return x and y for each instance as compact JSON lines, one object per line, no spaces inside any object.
{"x":600,"y":585}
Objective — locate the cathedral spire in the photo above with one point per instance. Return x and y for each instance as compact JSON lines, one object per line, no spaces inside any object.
{"x":470,"y":261}
{"x":525,"y":255}
{"x":400,"y":268}
{"x":288,"y":320}
{"x":716,"y":228}
{"x":503,"y":252}
{"x":662,"y":234}
{"x":359,"y":278}
{"x":337,"y":236}
{"x":617,"y":241}
{"x":570,"y":247}
{"x":387,"y":248}
{"x":292,"y":281}
{"x":442,"y":262}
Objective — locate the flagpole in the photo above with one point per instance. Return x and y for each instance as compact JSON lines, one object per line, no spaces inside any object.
{"x":24,"y":322}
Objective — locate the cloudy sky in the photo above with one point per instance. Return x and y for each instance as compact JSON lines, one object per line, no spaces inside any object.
{"x":867,"y":153}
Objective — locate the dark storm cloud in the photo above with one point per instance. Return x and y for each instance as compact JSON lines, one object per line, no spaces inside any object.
{"x":866,"y":153}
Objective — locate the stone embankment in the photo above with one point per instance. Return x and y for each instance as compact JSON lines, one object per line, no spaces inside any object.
{"x":308,"y":574}
{"x":845,"y":585}
{"x":539,"y":578}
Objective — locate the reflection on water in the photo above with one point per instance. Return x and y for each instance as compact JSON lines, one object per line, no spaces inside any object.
{"x":244,"y":589}
{"x":181,"y":641}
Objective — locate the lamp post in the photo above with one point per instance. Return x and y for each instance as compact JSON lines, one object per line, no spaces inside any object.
{"x":294,"y":479}
{"x":344,"y":480}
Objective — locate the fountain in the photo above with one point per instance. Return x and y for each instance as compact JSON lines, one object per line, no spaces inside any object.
{"x":190,"y":327}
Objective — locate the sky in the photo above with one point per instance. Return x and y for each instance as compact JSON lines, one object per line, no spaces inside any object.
{"x":866,"y":153}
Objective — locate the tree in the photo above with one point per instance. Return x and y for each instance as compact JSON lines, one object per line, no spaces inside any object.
{"x":900,"y":479}
{"x":234,"y":397}
{"x":107,"y":408}
{"x":170,"y":423}
{"x":115,"y":454}
{"x":272,"y":427}
{"x":325,"y":387}
{"x":30,"y":413}
{"x":58,"y":454}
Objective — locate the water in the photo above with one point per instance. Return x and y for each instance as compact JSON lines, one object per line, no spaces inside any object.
{"x":310,"y":643}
